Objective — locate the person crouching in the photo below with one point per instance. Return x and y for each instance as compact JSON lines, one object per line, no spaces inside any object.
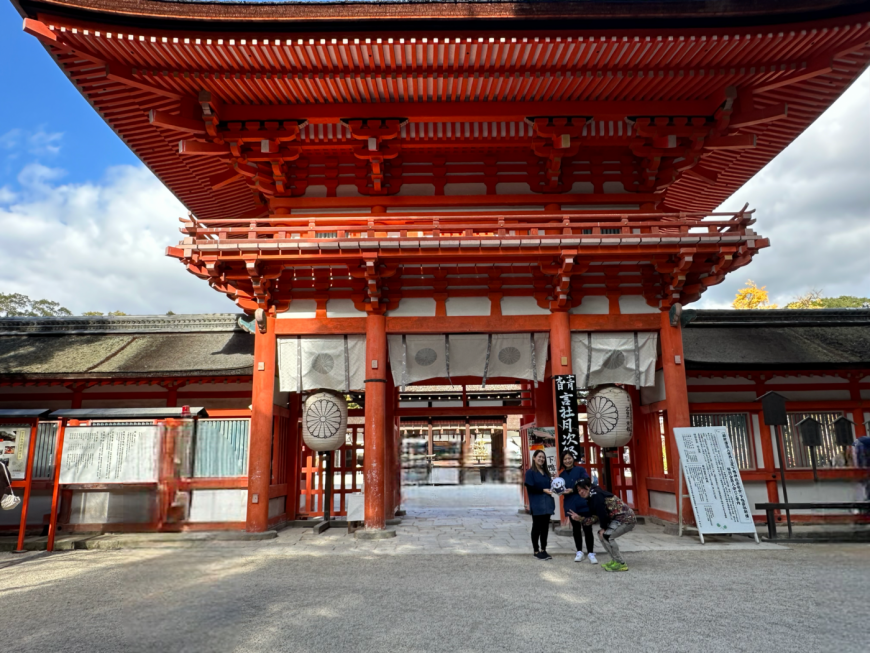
{"x":614,"y":517}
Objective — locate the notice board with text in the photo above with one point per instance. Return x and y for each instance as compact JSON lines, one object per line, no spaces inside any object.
{"x":110,"y":454}
{"x":713,"y":480}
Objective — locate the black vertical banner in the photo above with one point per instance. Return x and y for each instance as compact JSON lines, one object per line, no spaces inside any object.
{"x":567,"y":422}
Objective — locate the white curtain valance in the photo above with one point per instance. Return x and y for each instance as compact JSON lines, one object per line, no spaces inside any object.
{"x":322,"y":363}
{"x":419,"y":357}
{"x":623,"y":357}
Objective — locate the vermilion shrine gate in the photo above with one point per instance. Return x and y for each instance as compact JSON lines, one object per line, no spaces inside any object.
{"x":413,"y":169}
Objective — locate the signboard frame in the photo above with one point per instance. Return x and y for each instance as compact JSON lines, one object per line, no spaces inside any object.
{"x":725,"y":478}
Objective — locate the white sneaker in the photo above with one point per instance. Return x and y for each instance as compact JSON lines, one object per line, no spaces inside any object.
{"x":578,"y":557}
{"x":592,"y":559}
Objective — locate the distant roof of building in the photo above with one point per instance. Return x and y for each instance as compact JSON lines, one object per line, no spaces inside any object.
{"x":778,"y":339}
{"x":132,"y":346}
{"x":215,"y":344}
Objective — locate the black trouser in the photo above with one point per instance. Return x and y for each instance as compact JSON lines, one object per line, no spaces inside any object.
{"x":540,"y":530}
{"x":577,"y":528}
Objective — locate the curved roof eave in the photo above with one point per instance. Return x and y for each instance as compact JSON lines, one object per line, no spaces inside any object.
{"x":352,"y":16}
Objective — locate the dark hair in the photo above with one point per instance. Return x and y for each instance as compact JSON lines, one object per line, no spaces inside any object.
{"x":562,"y":459}
{"x":584,"y":483}
{"x":546,"y":470}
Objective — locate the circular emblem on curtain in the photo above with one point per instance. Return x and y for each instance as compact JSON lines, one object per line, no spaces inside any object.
{"x":426,"y":357}
{"x":609,"y":417}
{"x":323,"y":363}
{"x":324,"y":421}
{"x":614,"y":360}
{"x":509,"y":355}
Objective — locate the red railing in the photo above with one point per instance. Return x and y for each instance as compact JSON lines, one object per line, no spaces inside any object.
{"x":325,"y":227}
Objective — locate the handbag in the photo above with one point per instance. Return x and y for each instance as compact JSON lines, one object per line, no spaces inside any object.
{"x":9,"y":501}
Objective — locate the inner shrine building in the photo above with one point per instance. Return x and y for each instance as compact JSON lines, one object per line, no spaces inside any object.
{"x":405,"y":194}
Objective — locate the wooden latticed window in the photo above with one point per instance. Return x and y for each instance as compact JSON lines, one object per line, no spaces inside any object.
{"x":738,"y":429}
{"x":827,"y":455}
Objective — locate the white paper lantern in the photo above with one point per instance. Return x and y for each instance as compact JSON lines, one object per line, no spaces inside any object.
{"x":324,"y":421}
{"x":608,"y":412}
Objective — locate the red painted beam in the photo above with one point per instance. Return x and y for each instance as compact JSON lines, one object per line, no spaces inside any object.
{"x":466,"y":111}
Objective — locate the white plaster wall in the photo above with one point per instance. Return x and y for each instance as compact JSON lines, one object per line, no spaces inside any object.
{"x":513,"y":188}
{"x":723,"y":397}
{"x":756,"y":438}
{"x":341,"y":308}
{"x":465,"y":189}
{"x":347,"y":190}
{"x":825,"y":491}
{"x":592,"y":305}
{"x":414,"y":307}
{"x":418,"y":190}
{"x":663,"y":501}
{"x":521,"y":306}
{"x":815,"y":395}
{"x":756,"y":492}
{"x":113,"y":507}
{"x":124,"y":403}
{"x":300,"y":309}
{"x":633,"y":304}
{"x":218,"y":505}
{"x":466,"y":306}
{"x":804,"y":380}
{"x":486,"y":402}
{"x":719,"y":380}
{"x":448,"y":404}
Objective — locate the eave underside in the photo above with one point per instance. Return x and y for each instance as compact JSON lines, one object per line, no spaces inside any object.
{"x":478,"y":116}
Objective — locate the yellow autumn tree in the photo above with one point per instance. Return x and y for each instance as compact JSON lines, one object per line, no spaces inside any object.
{"x":752,"y":297}
{"x":813,"y":299}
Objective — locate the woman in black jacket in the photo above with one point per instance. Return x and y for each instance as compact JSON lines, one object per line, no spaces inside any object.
{"x":541,"y":503}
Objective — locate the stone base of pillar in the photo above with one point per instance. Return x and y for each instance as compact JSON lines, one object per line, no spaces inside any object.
{"x":375,"y":534}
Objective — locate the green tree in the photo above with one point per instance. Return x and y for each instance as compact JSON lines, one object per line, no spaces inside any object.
{"x":18,"y":305}
{"x":844,"y":301}
{"x":116,"y":313}
{"x":88,"y":313}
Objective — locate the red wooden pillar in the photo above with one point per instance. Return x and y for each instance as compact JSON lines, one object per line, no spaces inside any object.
{"x":262,"y":418}
{"x":544,"y":400}
{"x":294,"y":457}
{"x":676,"y":393}
{"x":376,"y":387}
{"x":560,"y":361}
{"x":390,"y":451}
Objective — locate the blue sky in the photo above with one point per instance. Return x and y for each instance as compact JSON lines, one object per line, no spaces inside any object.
{"x":82,"y":222}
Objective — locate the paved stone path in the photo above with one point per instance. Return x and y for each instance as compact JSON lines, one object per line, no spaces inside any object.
{"x":473,"y":520}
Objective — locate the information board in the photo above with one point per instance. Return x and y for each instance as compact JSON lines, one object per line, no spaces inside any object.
{"x":14,"y":443}
{"x":713,"y":480}
{"x":109,"y":454}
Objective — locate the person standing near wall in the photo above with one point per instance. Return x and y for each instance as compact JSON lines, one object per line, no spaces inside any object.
{"x":541,"y":503}
{"x":573,"y":502}
{"x":615,"y":518}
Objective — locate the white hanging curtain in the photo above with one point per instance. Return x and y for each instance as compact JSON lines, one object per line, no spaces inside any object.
{"x":322,"y":363}
{"x":417,"y":358}
{"x":623,"y":357}
{"x":519,"y":355}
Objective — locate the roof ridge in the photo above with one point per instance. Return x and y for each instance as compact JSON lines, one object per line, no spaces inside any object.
{"x":96,"y":324}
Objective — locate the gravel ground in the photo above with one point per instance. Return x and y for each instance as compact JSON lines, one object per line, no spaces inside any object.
{"x":232,"y":599}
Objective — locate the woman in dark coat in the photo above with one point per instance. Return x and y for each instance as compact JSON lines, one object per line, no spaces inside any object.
{"x":541,"y":503}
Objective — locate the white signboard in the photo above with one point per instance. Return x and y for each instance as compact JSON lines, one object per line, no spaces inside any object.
{"x":713,"y":479}
{"x":14,"y":442}
{"x":109,"y":454}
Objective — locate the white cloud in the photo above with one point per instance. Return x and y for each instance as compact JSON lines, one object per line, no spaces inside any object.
{"x":813,"y":202}
{"x":36,"y":143}
{"x":98,"y":246}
